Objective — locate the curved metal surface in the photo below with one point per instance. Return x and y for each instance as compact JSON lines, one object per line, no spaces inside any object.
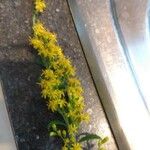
{"x":7,"y":140}
{"x":132,"y":20}
{"x":115,"y":42}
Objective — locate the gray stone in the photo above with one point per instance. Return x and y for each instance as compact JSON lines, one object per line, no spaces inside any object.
{"x":15,"y":22}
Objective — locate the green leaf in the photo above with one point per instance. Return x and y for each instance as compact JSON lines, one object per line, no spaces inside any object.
{"x":64,"y":117}
{"x":90,"y":137}
{"x":63,"y":84}
{"x":53,"y":134}
{"x":43,"y":62}
{"x":56,"y":122}
{"x":40,"y":62}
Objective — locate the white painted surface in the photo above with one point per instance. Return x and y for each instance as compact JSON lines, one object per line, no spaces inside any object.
{"x":7,"y":141}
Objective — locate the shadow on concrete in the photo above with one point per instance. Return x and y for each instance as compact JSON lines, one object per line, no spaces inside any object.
{"x":27,"y":110}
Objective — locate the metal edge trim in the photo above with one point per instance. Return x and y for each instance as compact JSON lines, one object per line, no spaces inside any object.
{"x":102,"y":90}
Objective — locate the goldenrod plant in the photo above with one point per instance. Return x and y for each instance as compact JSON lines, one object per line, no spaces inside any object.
{"x":60,"y":87}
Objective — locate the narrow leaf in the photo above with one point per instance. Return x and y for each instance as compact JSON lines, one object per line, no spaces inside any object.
{"x":90,"y":137}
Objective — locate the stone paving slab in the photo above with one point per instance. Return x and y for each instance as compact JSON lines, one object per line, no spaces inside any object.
{"x":7,"y":141}
{"x":15,"y":22}
{"x":19,"y":71}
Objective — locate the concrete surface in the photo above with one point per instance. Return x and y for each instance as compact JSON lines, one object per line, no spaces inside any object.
{"x":7,"y":141}
{"x":19,"y":70}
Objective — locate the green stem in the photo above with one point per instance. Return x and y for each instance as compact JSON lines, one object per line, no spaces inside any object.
{"x":33,"y":18}
{"x":64,"y":117}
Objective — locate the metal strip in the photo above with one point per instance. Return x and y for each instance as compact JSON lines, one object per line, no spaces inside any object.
{"x":98,"y":74}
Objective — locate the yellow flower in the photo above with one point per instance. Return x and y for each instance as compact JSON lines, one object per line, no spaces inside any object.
{"x":53,"y":54}
{"x":64,"y":148}
{"x":45,"y":93}
{"x":40,"y":5}
{"x":62,"y":103}
{"x":53,"y":105}
{"x":57,"y":94}
{"x":43,"y":52}
{"x":74,"y":92}
{"x":52,"y":94}
{"x":59,"y":72}
{"x":56,"y":103}
{"x":48,"y":74}
{"x":65,"y":65}
{"x":72,"y":129}
{"x":85,"y":117}
{"x":48,"y":37}
{"x":71,"y":91}
{"x":80,"y":103}
{"x":44,"y":84}
{"x":53,"y":48}
{"x":37,"y":44}
{"x":76,"y":146}
{"x":74,"y":82}
{"x":39,"y":29}
{"x":72,"y":114}
{"x":51,"y":37}
{"x":47,"y":87}
{"x":70,"y":70}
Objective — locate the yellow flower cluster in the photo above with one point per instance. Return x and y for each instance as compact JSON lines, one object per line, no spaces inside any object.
{"x":60,"y":87}
{"x":75,"y":146}
{"x":59,"y":84}
{"x":39,"y":5}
